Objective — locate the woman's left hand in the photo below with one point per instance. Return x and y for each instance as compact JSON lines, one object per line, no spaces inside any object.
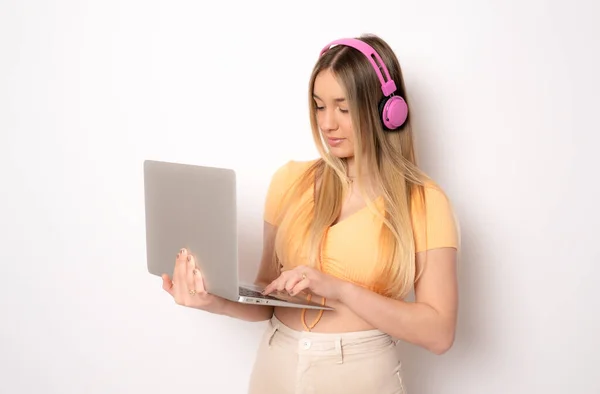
{"x":307,"y":278}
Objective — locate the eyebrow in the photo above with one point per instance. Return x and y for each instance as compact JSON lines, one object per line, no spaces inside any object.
{"x":337,"y":100}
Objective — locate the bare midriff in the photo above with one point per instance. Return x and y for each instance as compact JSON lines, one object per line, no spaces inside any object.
{"x":342,"y":319}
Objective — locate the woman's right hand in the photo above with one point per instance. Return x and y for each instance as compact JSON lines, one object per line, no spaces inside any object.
{"x":187,"y":286}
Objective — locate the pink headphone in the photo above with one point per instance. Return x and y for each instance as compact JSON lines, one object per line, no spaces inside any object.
{"x":393,"y":110}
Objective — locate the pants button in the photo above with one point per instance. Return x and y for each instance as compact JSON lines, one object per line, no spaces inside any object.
{"x":306,"y":344}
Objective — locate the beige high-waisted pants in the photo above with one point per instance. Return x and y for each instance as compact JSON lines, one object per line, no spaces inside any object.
{"x":294,"y":362}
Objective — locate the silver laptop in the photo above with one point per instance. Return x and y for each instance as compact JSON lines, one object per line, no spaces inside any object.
{"x":195,"y":207}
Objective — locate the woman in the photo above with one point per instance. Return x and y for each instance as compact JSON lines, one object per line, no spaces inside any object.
{"x":357,"y":229}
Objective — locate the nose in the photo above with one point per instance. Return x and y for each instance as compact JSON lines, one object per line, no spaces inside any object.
{"x":328,"y":120}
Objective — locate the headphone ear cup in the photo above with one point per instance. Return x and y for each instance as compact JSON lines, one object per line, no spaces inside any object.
{"x":393,"y":112}
{"x":381,"y":108}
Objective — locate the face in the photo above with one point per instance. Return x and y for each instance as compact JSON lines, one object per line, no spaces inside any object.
{"x":333,"y":116}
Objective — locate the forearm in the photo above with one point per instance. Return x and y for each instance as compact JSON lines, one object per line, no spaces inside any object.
{"x":417,"y":323}
{"x":238,"y":310}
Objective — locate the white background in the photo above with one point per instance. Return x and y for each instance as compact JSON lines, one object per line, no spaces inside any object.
{"x":504,"y":99}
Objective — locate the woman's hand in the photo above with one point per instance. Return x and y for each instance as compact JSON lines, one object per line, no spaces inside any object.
{"x":187,"y":286}
{"x":306,"y":278}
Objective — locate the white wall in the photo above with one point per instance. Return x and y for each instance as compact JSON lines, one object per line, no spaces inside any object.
{"x":504,"y":98}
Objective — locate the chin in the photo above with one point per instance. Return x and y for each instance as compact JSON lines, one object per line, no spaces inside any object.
{"x":341,"y":153}
{"x":348,"y":156}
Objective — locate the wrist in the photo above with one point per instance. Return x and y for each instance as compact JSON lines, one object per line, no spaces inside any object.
{"x":215,"y":304}
{"x":345,"y":290}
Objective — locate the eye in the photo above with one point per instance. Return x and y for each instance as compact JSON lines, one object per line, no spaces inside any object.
{"x":344,"y":111}
{"x":319,"y":108}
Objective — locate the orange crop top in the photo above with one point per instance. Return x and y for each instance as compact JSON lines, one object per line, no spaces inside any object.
{"x":351,"y":245}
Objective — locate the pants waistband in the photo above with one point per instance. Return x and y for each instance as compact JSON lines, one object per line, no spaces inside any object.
{"x":315,"y":343}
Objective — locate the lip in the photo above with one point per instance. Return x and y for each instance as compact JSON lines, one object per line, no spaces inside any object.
{"x":334,"y":141}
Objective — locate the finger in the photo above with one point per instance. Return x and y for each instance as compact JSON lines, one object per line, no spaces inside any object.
{"x":281,"y":284}
{"x":300,"y":286}
{"x":167,"y":284}
{"x":284,"y":279}
{"x":180,"y":267}
{"x":180,"y":289}
{"x":190,"y":266}
{"x":292,"y":282}
{"x":199,"y":281}
{"x":276,"y":284}
{"x":268,"y":288}
{"x":271,"y":286}
{"x":296,"y":275}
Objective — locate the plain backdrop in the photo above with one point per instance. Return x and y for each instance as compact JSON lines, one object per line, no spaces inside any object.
{"x":504,"y":102}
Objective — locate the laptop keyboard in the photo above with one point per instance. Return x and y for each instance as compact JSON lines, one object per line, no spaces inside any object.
{"x":253,"y":293}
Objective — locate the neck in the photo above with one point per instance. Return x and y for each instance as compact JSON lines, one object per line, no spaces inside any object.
{"x":367,"y":181}
{"x":353,"y":171}
{"x":351,"y":167}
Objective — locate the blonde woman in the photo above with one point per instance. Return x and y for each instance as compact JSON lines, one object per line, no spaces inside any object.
{"x":357,"y":229}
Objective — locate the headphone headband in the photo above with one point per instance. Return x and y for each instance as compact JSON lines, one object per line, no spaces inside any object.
{"x":388,"y":86}
{"x":393,"y":110}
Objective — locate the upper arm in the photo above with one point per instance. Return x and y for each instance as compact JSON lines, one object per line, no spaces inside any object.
{"x":436,"y":244}
{"x":267,"y":271}
{"x":437,"y":285}
{"x":280,"y":181}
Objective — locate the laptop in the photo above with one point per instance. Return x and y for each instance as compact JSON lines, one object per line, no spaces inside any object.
{"x":195,"y":207}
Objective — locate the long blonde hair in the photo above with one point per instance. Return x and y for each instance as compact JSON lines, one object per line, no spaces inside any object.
{"x":389,"y":158}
